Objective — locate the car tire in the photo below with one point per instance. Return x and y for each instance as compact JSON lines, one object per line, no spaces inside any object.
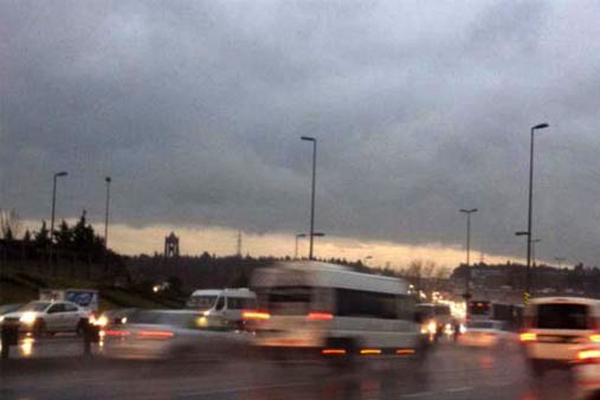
{"x":81,"y":325}
{"x":39,"y":328}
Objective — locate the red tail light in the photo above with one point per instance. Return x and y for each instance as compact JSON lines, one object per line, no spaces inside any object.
{"x":116,"y":332}
{"x":333,"y":351}
{"x":252,"y":314}
{"x":155,"y":334}
{"x":593,"y":323}
{"x":318,"y":315}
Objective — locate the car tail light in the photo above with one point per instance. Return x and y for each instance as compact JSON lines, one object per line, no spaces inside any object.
{"x":155,"y":334}
{"x":319,"y":315}
{"x":595,"y":337}
{"x":593,"y":323}
{"x":405,"y":351}
{"x":528,"y":337}
{"x":333,"y":351}
{"x":588,"y":355}
{"x":116,"y":332}
{"x":253,"y":314}
{"x":370,"y":351}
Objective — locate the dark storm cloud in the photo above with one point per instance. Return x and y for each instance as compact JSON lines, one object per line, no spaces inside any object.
{"x":195,"y":109}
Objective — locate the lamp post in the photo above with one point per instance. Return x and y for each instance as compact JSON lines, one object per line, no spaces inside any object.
{"x":108,"y":180}
{"x":529,"y":214}
{"x":56,"y":176}
{"x":303,"y":235}
{"x":312,"y":201}
{"x":560,"y":260}
{"x":467,"y":294}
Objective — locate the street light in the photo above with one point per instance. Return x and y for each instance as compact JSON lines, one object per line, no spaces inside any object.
{"x":56,"y":176}
{"x":529,"y":214}
{"x":108,"y":180}
{"x":468,"y":275}
{"x":303,"y":235}
{"x":312,"y":202}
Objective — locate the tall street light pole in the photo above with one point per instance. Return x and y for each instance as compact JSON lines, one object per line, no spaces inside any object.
{"x":467,"y":294}
{"x":529,"y":214}
{"x":108,"y":180}
{"x":303,"y":235}
{"x":312,"y":201}
{"x":56,"y":176}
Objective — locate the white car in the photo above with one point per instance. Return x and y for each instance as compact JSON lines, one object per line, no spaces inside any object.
{"x":556,"y":328}
{"x":41,"y":317}
{"x":172,"y":334}
{"x":488,"y":334}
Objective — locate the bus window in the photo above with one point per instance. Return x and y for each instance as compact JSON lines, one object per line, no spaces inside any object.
{"x":479,"y":308}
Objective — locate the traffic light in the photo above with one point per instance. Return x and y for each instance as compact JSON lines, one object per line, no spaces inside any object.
{"x":526,"y":297}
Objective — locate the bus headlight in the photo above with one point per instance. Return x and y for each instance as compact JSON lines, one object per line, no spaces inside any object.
{"x":432,"y":327}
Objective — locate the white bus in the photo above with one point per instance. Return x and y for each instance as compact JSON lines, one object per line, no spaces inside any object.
{"x":329,"y":310}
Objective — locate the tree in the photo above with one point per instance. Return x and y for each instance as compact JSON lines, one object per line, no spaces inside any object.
{"x":42,"y":238}
{"x":10,"y":223}
{"x":64,"y":236}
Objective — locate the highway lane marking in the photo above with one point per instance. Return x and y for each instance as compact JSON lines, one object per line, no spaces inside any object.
{"x":245,"y":389}
{"x":418,"y":394}
{"x":460,"y":389}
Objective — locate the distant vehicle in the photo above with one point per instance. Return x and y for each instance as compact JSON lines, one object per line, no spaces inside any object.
{"x":511,"y":314}
{"x":223,"y":307}
{"x":555,"y":328}
{"x":488,"y":334}
{"x":319,"y":309}
{"x":170,"y":334}
{"x":40,"y":317}
{"x":436,"y":320}
{"x":84,"y":298}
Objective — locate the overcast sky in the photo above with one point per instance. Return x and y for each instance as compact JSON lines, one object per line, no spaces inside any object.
{"x":420,"y":108}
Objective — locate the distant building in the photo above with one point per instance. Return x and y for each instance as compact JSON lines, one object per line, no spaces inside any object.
{"x":172,"y":246}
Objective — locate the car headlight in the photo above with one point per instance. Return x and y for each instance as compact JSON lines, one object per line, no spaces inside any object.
{"x":100,"y":321}
{"x":28,"y":318}
{"x":432,"y":327}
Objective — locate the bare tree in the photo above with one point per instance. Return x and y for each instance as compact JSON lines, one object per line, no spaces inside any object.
{"x":10,"y":223}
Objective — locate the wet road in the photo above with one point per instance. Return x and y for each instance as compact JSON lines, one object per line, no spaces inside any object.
{"x":450,"y":372}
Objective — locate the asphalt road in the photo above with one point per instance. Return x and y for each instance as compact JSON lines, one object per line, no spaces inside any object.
{"x":450,"y":372}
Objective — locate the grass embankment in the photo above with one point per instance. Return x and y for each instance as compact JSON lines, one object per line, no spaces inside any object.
{"x":21,"y":287}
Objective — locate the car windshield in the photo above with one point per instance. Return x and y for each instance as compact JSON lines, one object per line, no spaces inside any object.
{"x":562,"y":316}
{"x":35,"y":306}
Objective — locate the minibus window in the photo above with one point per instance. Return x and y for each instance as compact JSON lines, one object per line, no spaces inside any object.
{"x":562,"y":316}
